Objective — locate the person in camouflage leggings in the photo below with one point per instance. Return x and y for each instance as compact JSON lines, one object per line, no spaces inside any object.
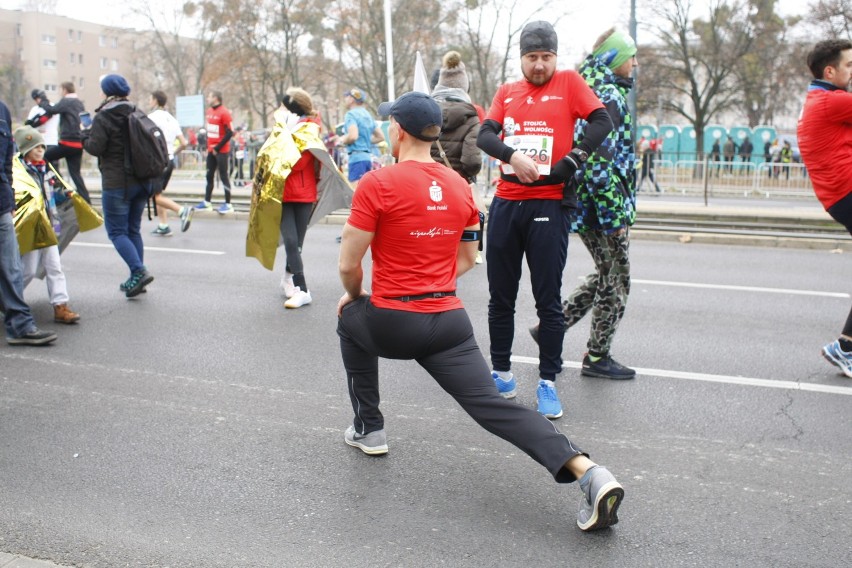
{"x":606,"y":196}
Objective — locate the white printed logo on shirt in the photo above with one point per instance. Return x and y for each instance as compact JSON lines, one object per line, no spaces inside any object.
{"x":436,"y":193}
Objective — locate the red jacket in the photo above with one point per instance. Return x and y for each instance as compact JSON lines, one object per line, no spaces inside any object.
{"x":825,"y":141}
{"x":301,"y":185}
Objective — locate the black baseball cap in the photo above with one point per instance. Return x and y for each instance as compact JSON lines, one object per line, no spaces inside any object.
{"x":414,"y":112}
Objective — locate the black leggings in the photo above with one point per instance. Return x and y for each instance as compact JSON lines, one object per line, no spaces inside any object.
{"x":217,"y":162}
{"x":74,"y":160}
{"x":294,"y":225}
{"x":842,"y":213}
{"x":443,"y":344}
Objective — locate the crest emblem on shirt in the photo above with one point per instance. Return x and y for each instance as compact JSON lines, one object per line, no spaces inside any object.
{"x":510,"y":126}
{"x":436,"y":193}
{"x":530,"y":100}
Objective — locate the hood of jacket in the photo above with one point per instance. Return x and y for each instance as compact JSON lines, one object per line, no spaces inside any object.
{"x":441,"y":93}
{"x":596,"y":74}
{"x":456,"y":114}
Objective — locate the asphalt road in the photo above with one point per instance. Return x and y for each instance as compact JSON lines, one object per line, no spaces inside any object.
{"x":201,"y":424}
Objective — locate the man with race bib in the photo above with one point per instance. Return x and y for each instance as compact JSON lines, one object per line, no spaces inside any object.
{"x":530,"y":128}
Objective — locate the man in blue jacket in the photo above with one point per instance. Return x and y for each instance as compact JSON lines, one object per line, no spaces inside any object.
{"x":20,"y":326}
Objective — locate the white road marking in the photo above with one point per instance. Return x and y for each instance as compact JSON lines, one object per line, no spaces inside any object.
{"x":742,"y":288}
{"x":160,"y":249}
{"x":765,"y":383}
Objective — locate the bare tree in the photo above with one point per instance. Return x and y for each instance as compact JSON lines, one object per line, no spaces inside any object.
{"x":268,"y":38}
{"x":12,"y":85}
{"x":489,"y":30}
{"x":181,"y":43}
{"x":698,"y":58}
{"x":767,"y":75}
{"x":833,"y":18}
{"x":356,"y":33}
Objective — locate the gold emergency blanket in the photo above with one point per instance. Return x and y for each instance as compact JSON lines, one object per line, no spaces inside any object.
{"x":32,"y":224}
{"x":275,"y":161}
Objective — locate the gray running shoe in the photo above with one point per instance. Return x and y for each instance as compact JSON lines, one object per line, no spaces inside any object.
{"x":374,"y":443}
{"x":33,"y":337}
{"x":601,"y":497}
{"x":186,"y":218}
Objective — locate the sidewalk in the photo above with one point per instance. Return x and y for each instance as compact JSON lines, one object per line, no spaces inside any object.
{"x":17,"y":561}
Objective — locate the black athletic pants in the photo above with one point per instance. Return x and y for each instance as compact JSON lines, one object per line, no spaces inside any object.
{"x":538,"y":230}
{"x":217,"y":162}
{"x":842,"y":213}
{"x":444,"y":345}
{"x":74,"y":160}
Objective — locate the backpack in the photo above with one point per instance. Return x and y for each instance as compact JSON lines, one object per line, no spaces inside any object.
{"x":146,"y":155}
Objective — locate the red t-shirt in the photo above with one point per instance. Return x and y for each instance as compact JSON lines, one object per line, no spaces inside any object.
{"x":549,"y":110}
{"x":418,"y":212}
{"x":218,"y":122}
{"x":825,"y":142}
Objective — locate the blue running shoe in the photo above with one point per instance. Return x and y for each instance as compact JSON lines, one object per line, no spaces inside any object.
{"x":225,"y":208}
{"x":507,"y":389}
{"x":204,"y":206}
{"x":837,"y":356}
{"x":548,"y":401}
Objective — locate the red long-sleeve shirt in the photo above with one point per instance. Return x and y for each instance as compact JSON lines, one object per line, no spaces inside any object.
{"x":825,"y":141}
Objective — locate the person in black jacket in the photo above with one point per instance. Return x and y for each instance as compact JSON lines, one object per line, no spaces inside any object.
{"x":460,"y":130}
{"x":123,"y":195}
{"x":70,"y":144}
{"x":17,"y":317}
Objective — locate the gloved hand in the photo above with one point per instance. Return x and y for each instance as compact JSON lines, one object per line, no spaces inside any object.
{"x":565,"y":168}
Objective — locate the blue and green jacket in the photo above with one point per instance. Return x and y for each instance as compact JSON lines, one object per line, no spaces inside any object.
{"x":606,"y":184}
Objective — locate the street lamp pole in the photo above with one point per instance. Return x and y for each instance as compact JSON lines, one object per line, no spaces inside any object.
{"x":389,"y":50}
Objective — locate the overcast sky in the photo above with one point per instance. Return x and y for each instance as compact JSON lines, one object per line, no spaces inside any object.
{"x":577,"y":32}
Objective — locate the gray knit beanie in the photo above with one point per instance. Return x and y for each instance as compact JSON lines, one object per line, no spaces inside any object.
{"x":453,"y":74}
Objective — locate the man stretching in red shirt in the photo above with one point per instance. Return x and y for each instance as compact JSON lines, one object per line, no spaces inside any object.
{"x":413,"y":312}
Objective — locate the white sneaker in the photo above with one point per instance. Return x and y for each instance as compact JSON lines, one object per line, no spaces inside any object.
{"x":299,"y":299}
{"x":478,"y":257}
{"x":287,"y":286}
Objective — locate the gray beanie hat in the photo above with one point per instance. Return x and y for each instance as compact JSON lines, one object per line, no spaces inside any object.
{"x":27,"y":138}
{"x":539,"y":36}
{"x":453,"y":74}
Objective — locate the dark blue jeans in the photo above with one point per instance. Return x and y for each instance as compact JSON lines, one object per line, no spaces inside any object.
{"x":123,"y":222}
{"x":16,"y":313}
{"x":537,"y":229}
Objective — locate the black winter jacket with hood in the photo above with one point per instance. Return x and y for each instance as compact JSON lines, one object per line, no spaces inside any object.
{"x":458,"y":138}
{"x":106,"y":140}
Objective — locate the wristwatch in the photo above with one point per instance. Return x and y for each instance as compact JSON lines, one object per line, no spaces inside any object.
{"x":580,"y":154}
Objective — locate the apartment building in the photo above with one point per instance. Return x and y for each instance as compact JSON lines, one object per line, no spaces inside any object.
{"x":48,"y":49}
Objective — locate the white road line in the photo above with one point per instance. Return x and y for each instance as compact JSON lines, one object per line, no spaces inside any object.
{"x":742,"y":288}
{"x":159,"y":249}
{"x":765,"y":383}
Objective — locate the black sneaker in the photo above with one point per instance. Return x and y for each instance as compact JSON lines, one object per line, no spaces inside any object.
{"x":136,"y":284}
{"x":34,"y":337}
{"x":606,"y":368}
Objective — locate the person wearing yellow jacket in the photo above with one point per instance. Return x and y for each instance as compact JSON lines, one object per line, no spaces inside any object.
{"x":39,"y":190}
